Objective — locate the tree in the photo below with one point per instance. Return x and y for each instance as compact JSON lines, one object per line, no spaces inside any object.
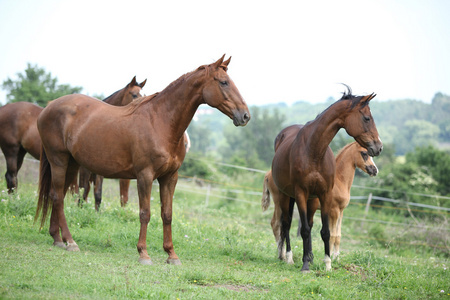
{"x":37,"y":86}
{"x":254,"y":142}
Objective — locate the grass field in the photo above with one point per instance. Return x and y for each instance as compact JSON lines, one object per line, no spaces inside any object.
{"x":226,"y":247}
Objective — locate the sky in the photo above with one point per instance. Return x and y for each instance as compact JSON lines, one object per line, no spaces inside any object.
{"x":282,"y":51}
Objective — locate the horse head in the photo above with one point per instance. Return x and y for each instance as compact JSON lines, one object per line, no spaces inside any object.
{"x":219,"y":91}
{"x":360,"y":125}
{"x":364,"y":161}
{"x":133,"y":90}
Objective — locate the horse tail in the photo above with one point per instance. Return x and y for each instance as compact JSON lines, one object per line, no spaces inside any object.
{"x":265,"y":200}
{"x":45,"y":181}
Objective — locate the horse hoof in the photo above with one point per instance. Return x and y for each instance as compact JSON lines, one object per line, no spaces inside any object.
{"x":59,"y":245}
{"x":72,"y":246}
{"x":174,"y":261}
{"x":145,"y":261}
{"x":306,"y":271}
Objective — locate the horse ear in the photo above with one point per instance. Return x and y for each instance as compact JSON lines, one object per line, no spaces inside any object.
{"x":365,"y":101}
{"x":225,"y":63}
{"x":218,"y":63}
{"x":142,"y":83}
{"x":133,"y":82}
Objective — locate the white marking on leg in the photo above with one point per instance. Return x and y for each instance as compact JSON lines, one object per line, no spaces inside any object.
{"x":289,"y":258}
{"x":327,"y":261}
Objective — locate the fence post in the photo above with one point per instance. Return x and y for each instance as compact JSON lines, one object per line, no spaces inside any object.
{"x":366,"y":211}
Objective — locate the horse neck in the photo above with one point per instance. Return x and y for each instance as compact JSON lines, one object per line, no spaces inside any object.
{"x":324,"y":128}
{"x":345,"y":168}
{"x":115,"y":98}
{"x":177,"y":105}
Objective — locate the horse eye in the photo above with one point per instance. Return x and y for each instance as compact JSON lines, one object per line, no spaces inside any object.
{"x":224,"y":83}
{"x":366,"y":118}
{"x":134,"y":96}
{"x":364,"y":155}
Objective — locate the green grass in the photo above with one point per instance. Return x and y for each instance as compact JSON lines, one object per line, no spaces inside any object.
{"x":226,"y":247}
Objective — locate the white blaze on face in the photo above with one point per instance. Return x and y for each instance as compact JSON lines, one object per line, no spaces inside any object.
{"x":373,"y":163}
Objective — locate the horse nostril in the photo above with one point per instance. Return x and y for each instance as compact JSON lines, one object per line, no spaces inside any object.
{"x":246,"y":117}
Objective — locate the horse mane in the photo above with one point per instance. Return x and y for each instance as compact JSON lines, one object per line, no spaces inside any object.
{"x":347,"y":96}
{"x":353,"y":98}
{"x":110,"y":96}
{"x":345,"y":148}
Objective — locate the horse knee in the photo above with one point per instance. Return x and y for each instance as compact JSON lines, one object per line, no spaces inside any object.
{"x":325,"y":233}
{"x":166,"y":218}
{"x":144,"y":216}
{"x":305,"y":232}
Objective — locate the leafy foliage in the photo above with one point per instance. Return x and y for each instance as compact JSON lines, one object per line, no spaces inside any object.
{"x":37,"y":86}
{"x":254,"y":143}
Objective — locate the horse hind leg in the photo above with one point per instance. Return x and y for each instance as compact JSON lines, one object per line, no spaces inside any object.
{"x":62,"y":178}
{"x":167,"y":188}
{"x":14,"y":158}
{"x":98,"y":184}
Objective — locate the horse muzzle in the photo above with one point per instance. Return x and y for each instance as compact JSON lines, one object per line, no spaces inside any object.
{"x":241,"y":119}
{"x":372,"y":170}
{"x":374,"y":148}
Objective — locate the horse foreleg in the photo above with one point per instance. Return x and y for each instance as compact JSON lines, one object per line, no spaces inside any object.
{"x":167,"y":188}
{"x":325,"y":202}
{"x":333,"y":222}
{"x":337,"y":241}
{"x":305,"y":230}
{"x":124,"y":187}
{"x":287,"y":206}
{"x":144,"y":186}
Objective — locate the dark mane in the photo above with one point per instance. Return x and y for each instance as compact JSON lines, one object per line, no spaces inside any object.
{"x":110,"y":96}
{"x":349,"y":96}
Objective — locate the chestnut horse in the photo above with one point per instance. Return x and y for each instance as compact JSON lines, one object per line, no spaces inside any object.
{"x":348,"y":158}
{"x":125,"y":183}
{"x":303,"y":166}
{"x":18,"y":135}
{"x":143,"y":141}
{"x":119,"y":98}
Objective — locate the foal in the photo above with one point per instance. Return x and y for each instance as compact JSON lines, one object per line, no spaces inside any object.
{"x":348,"y":158}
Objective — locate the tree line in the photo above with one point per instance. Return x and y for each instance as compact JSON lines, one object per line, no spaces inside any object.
{"x":417,"y":132}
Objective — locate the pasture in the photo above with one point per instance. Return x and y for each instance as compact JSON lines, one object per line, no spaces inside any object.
{"x":225,"y":244}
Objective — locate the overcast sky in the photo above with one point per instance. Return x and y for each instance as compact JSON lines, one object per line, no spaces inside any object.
{"x":282,"y":51}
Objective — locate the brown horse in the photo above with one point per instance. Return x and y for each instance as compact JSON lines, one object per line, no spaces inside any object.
{"x":143,"y":140}
{"x":304,"y":166}
{"x":348,"y":158}
{"x":120,"y":98}
{"x":125,"y":183}
{"x":18,"y":135}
